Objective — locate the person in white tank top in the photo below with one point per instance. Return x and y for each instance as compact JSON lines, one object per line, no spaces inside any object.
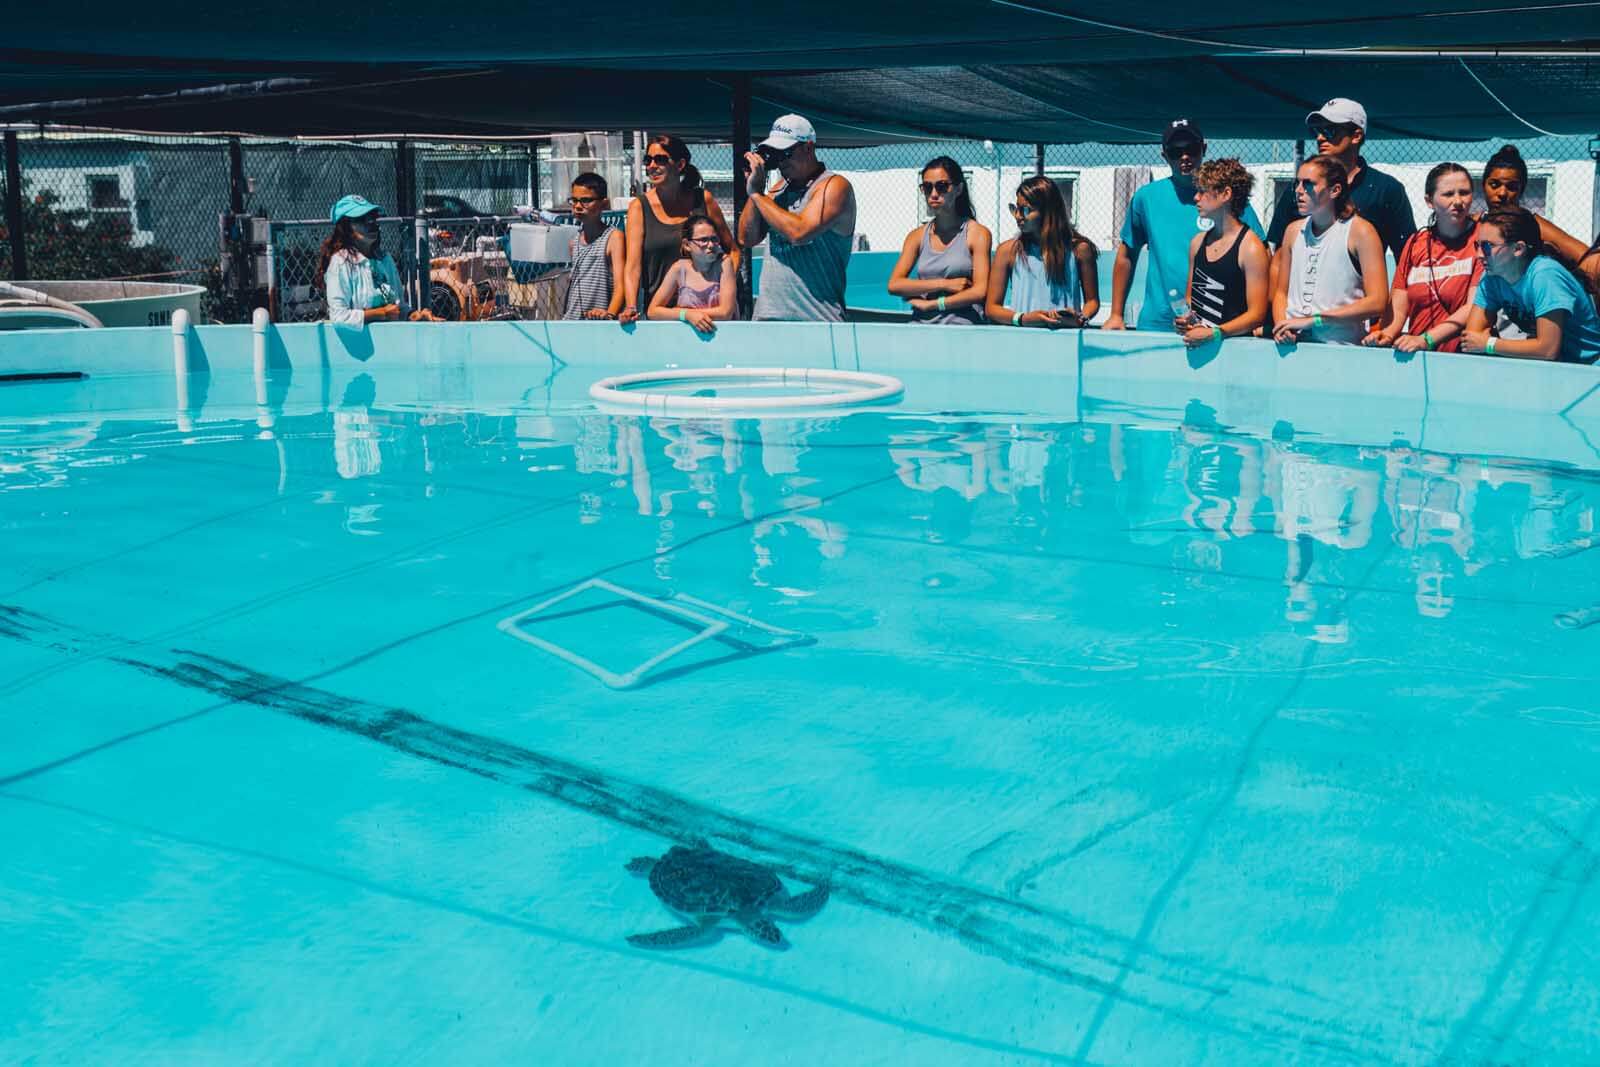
{"x":1329,"y":277}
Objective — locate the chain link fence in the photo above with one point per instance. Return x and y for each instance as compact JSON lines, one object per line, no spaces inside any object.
{"x":159,"y":208}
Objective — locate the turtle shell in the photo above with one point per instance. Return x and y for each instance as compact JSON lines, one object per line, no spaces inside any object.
{"x":703,"y":881}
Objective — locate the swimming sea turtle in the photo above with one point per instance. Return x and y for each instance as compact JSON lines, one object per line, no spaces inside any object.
{"x":705,"y":886}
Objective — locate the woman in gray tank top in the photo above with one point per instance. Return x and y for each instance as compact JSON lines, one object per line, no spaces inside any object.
{"x":950,"y":254}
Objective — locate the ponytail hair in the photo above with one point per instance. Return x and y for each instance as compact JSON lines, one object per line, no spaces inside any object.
{"x":1333,"y":173}
{"x":1057,"y":238}
{"x":952,"y":169}
{"x":679,"y":152}
{"x":1508,"y":158}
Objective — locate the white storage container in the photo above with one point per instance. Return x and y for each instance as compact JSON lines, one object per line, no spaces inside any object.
{"x":538,"y":243}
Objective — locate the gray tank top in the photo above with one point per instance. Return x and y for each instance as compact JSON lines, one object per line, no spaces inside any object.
{"x":804,"y":282}
{"x":589,"y":286}
{"x":954,"y":262}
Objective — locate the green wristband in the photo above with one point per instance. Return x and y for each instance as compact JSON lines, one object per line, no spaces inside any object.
{"x":1016,"y":319}
{"x":1489,"y":346}
{"x":683,"y":316}
{"x":1216,"y":333}
{"x":941,"y":303}
{"x":1427,"y":339}
{"x":1316,"y":320}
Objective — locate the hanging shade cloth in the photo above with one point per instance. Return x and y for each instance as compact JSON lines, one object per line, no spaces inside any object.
{"x":866,"y":73}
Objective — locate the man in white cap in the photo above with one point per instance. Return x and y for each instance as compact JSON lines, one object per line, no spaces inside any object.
{"x":1340,"y":127}
{"x":808,"y":221}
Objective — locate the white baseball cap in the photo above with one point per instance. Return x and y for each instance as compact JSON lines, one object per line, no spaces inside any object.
{"x":790,"y":130}
{"x":1339,"y":112}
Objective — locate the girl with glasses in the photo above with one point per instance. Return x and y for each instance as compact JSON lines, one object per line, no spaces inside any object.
{"x":655,"y":219}
{"x":1505,"y":179}
{"x":1437,"y":272}
{"x":1045,"y":276}
{"x":1329,"y":275}
{"x":950,"y":254}
{"x":1545,"y":300}
{"x":700,"y":288}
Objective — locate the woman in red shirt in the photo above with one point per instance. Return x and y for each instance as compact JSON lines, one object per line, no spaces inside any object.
{"x":1437,"y":272}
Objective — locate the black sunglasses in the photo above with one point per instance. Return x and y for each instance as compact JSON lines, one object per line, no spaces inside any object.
{"x":772,"y":157}
{"x":583,"y":200}
{"x":1022,"y":212}
{"x":659,"y":159}
{"x":941,"y":187}
{"x":1332,"y":133}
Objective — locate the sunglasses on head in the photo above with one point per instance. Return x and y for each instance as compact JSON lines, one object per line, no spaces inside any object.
{"x":941,"y":187}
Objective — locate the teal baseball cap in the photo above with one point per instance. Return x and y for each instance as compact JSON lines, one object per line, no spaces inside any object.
{"x":352,"y":207}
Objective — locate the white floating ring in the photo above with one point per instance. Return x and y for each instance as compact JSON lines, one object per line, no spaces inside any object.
{"x":632,"y":392}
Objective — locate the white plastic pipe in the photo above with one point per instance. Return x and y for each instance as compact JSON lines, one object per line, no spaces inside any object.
{"x":180,"y":366}
{"x":623,"y":391}
{"x":11,"y":291}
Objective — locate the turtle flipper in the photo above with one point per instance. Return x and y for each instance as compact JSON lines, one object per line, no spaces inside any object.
{"x":761,"y":928}
{"x":678,"y":937}
{"x":803,"y":906}
{"x":640,"y":865}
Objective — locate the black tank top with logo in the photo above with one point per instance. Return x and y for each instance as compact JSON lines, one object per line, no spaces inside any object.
{"x":1216,"y":289}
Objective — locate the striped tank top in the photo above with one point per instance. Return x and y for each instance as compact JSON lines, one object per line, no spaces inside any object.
{"x":804,"y":282}
{"x":589,"y":285}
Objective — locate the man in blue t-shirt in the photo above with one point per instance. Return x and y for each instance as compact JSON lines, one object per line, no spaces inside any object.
{"x":1162,"y":215}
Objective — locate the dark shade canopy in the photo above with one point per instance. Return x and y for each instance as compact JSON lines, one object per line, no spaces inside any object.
{"x":1016,"y":70}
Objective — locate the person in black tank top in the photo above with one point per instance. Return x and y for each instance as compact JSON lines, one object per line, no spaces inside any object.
{"x":1227,"y":262}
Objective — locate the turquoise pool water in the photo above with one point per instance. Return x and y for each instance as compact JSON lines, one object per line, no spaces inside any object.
{"x":1139,"y":736}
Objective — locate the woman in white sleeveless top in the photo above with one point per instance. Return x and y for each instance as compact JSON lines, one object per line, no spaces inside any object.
{"x":1329,"y":278}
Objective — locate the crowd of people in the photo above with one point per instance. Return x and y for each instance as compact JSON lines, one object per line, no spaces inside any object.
{"x":1505,"y":283}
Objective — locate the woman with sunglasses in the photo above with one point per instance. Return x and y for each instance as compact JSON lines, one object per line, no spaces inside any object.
{"x":1536,"y":292}
{"x":1040,"y":275}
{"x":1505,"y":179}
{"x":1438,"y":270}
{"x":950,"y":253}
{"x":655,"y":220}
{"x":359,"y":279}
{"x":1329,"y":275}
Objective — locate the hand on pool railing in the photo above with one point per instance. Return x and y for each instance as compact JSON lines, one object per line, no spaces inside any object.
{"x":627,"y":315}
{"x":1288,"y":331}
{"x":1381,"y":338}
{"x":424,"y":315}
{"x":699,"y":318}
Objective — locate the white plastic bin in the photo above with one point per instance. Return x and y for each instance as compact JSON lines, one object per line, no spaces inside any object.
{"x":538,"y":243}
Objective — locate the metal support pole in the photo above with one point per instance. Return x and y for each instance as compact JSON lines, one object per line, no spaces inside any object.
{"x":741,"y":171}
{"x":1299,"y":151}
{"x":1594,"y":221}
{"x":1038,"y":160}
{"x":236,"y":186}
{"x":533,"y":174}
{"x":405,"y":180}
{"x":19,"y":250}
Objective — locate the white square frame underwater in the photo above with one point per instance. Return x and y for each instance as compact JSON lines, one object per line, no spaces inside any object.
{"x":711,"y":628}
